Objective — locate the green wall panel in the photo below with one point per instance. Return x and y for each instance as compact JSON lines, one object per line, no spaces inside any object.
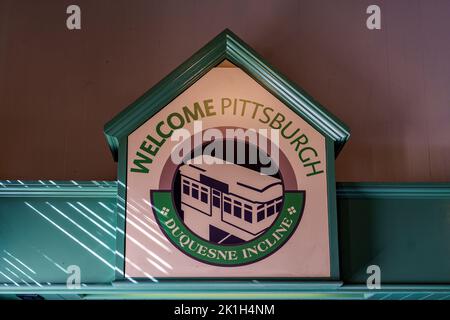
{"x":403,"y":228}
{"x":42,"y":234}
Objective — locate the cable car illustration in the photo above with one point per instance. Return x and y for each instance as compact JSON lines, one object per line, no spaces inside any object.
{"x":239,"y":201}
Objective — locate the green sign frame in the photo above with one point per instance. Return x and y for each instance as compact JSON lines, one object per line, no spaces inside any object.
{"x":225,"y":46}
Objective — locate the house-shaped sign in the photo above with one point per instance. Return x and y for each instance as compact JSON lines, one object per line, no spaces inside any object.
{"x":226,"y":170}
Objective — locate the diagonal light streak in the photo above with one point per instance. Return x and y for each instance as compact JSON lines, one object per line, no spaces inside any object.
{"x":79,"y":242}
{"x":18,"y":269}
{"x":72,"y":237}
{"x":12,"y":272}
{"x":157,"y":266}
{"x":132,"y":223}
{"x":23,"y":264}
{"x":137,"y":267}
{"x":150,"y":220}
{"x":91,"y":220}
{"x":106,"y":207}
{"x":53,"y":183}
{"x":96,"y":215}
{"x":9,"y":279}
{"x":55,"y":263}
{"x":81,"y":228}
{"x":140,"y":245}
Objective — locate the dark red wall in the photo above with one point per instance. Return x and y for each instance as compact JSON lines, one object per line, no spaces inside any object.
{"x":59,"y":87}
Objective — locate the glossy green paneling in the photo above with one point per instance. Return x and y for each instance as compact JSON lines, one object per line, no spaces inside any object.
{"x":403,"y":228}
{"x":47,"y":226}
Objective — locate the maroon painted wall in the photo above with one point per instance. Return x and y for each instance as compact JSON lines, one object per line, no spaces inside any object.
{"x":59,"y":87}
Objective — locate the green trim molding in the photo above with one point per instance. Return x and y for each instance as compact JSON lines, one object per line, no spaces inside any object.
{"x":394,"y":190}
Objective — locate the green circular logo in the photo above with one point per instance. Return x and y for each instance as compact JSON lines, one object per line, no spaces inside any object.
{"x":216,"y":216}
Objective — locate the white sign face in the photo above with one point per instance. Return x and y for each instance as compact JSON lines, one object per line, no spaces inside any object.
{"x":226,"y":181}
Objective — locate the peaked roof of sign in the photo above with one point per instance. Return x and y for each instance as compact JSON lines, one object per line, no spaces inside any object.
{"x":225,"y":46}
